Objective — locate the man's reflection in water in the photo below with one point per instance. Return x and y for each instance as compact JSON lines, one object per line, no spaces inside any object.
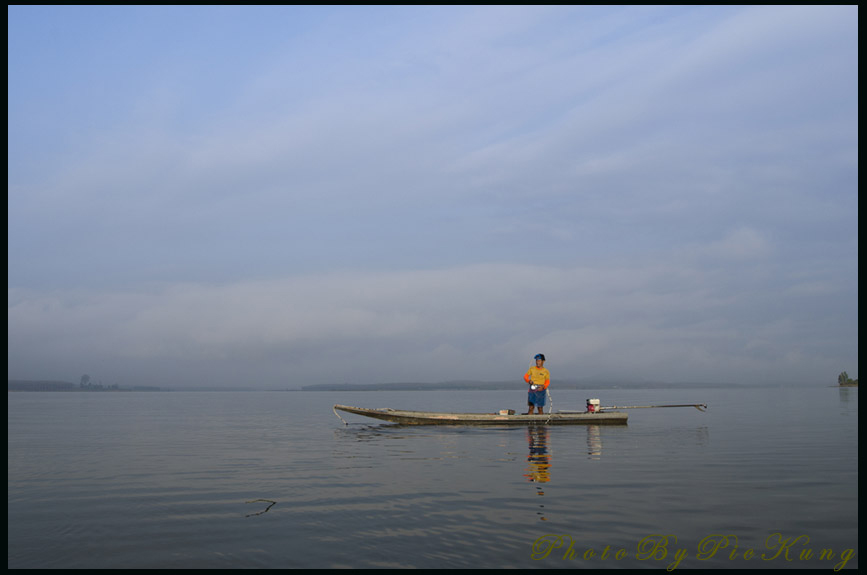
{"x":539,"y":468}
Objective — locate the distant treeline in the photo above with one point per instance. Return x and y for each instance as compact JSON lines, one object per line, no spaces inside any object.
{"x":27,"y":385}
{"x":17,"y":385}
{"x":505,"y":385}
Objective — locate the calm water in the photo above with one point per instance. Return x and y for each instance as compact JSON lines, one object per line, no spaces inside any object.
{"x":187,"y":480}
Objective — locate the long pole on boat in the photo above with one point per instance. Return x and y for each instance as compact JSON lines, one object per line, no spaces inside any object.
{"x":698,"y":406}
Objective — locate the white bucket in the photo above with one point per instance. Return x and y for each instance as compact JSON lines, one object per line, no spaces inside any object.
{"x":593,"y":405}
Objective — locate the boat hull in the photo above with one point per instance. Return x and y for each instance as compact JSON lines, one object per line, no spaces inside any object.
{"x":435,"y":418}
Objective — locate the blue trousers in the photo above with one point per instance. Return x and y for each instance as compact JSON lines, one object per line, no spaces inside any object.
{"x":536,"y":398}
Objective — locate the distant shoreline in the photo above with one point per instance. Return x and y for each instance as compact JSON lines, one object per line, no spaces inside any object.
{"x":511,"y":386}
{"x":67,"y":387}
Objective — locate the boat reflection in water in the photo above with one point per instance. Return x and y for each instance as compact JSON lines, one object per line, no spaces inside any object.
{"x":594,"y":442}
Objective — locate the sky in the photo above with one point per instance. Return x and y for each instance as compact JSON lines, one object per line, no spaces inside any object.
{"x":273,"y":197}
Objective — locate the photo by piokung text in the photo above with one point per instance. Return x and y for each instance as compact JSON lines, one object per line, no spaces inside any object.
{"x":657,"y":547}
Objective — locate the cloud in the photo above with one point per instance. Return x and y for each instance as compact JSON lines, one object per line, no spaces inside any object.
{"x":473,"y":322}
{"x":740,"y":244}
{"x":325,"y":191}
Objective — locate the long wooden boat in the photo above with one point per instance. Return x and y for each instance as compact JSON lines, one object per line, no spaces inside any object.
{"x":435,"y":418}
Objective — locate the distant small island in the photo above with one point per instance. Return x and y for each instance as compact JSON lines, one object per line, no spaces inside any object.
{"x":843,"y":380}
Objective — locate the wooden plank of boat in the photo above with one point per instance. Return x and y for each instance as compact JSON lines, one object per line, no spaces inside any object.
{"x":435,"y":418}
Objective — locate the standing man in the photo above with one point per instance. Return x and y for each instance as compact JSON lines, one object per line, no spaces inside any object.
{"x":539,"y":379}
